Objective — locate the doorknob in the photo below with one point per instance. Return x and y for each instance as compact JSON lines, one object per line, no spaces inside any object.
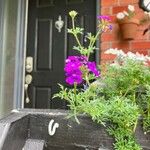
{"x":28,"y":80}
{"x":59,"y":24}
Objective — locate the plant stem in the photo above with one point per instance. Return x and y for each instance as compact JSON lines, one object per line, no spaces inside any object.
{"x":75,"y":35}
{"x":148,"y":109}
{"x":75,"y":103}
{"x":75,"y":116}
{"x":91,"y":44}
{"x":75,"y":92}
{"x":87,"y":80}
{"x":135,"y":125}
{"x":99,"y":31}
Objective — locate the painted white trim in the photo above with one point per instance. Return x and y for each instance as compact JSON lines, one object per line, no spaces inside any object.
{"x":25,"y":49}
{"x":20,"y":53}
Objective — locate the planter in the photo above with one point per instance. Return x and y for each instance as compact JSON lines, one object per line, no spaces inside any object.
{"x":28,"y":129}
{"x":128,"y":28}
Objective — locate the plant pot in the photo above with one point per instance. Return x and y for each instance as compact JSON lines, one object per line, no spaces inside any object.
{"x":28,"y":129}
{"x":128,"y":28}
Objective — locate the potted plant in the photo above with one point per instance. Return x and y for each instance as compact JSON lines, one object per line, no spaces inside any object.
{"x":118,"y":99}
{"x":128,"y":23}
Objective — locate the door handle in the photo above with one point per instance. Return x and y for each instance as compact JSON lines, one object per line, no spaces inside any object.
{"x":28,"y":80}
{"x":28,"y":77}
{"x":29,"y":64}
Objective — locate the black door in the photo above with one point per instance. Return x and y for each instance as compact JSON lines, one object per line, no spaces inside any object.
{"x":49,"y":47}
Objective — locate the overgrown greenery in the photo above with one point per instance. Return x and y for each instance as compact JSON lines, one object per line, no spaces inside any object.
{"x":118,"y":98}
{"x":125,"y":89}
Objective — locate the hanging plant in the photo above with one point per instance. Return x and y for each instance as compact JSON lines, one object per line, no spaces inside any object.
{"x":129,"y":23}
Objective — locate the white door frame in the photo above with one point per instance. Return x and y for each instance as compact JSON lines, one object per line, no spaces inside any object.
{"x":22,"y":23}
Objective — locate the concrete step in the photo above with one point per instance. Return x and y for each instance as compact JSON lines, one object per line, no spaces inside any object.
{"x":33,"y":144}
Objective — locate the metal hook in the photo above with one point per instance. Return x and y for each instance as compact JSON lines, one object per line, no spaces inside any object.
{"x":52,"y":128}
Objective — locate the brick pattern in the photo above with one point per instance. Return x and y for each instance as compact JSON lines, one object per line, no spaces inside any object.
{"x":113,"y":39}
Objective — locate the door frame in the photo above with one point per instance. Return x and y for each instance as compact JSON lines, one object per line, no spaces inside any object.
{"x":21,"y":50}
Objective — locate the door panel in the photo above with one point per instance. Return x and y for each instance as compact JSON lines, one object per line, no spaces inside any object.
{"x":49,"y":48}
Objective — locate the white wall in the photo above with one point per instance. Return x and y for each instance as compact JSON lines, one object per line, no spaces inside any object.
{"x":7,"y":58}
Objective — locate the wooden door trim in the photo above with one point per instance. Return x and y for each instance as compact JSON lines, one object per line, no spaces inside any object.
{"x":22,"y":45}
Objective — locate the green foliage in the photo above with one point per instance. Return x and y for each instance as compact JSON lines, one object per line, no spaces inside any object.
{"x":118,"y":98}
{"x":125,"y":88}
{"x":130,"y":80}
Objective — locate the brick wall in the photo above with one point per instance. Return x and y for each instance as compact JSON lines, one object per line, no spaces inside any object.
{"x":113,"y":39}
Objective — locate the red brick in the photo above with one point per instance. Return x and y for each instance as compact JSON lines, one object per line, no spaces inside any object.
{"x":124,"y":45}
{"x":141,"y":51}
{"x":144,"y":52}
{"x":118,"y":9}
{"x":148,"y":35}
{"x":148,"y":52}
{"x":109,"y":2}
{"x":105,"y":45}
{"x":106,"y":11}
{"x":113,"y":40}
{"x":135,"y":1}
{"x":140,"y":45}
{"x":107,"y":56}
{"x":113,"y":18}
{"x":140,"y":37}
{"x":123,"y":2}
{"x":109,"y":37}
{"x":143,"y":27}
{"x":139,"y":15}
{"x":137,"y":8}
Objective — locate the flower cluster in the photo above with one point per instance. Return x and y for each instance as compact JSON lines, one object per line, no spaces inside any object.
{"x":77,"y":67}
{"x":121,"y":56}
{"x":130,"y":13}
{"x":127,"y":14}
{"x":104,"y":23}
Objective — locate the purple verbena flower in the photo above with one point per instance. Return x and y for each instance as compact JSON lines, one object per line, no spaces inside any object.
{"x":102,"y":17}
{"x":69,"y":67}
{"x":93,"y":69}
{"x":74,"y":71}
{"x":110,"y":27}
{"x":74,"y":78}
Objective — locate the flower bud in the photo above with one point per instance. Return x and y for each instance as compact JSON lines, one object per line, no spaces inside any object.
{"x":131,"y":8}
{"x":73,"y":13}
